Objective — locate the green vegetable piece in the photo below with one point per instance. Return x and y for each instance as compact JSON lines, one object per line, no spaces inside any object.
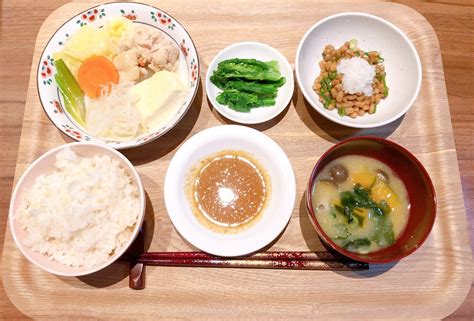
{"x":333,"y":212}
{"x":359,"y":197}
{"x":241,"y":101}
{"x":218,"y":80}
{"x":332,"y":75}
{"x":341,"y":111}
{"x":355,"y":244}
{"x":346,"y":211}
{"x":326,"y":99}
{"x":360,"y":219}
{"x":247,"y":83}
{"x":327,"y":83}
{"x":72,"y":94}
{"x":385,"y":88}
{"x":383,"y":235}
{"x":342,"y":232}
{"x":352,"y":44}
{"x":269,"y":90}
{"x":250,"y":69}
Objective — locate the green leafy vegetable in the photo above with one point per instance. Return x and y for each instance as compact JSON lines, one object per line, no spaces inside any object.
{"x":251,"y":69}
{"x":342,"y":232}
{"x":73,"y":95}
{"x":242,"y":101}
{"x":359,"y":197}
{"x":355,"y":244}
{"x":352,"y":203}
{"x":247,"y":83}
{"x":383,"y":234}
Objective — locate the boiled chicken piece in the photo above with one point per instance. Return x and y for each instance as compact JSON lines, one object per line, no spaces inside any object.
{"x":126,"y":63}
{"x":154,"y":50}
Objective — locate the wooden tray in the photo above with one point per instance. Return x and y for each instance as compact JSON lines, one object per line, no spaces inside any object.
{"x":431,"y":283}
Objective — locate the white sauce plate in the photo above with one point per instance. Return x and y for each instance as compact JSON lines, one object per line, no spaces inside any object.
{"x":275,"y":215}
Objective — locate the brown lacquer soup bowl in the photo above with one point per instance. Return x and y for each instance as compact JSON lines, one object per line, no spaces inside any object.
{"x":419,"y":191}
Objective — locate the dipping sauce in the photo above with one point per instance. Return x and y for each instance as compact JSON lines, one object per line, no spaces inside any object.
{"x":228,"y":191}
{"x":360,"y":203}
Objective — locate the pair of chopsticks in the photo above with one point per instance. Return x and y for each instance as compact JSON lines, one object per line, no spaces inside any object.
{"x":138,"y":259}
{"x":266,"y":260}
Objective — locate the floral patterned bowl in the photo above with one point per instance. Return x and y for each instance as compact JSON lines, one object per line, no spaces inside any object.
{"x":96,"y":16}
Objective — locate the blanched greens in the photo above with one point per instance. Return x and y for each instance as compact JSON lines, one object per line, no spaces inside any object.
{"x":247,"y":83}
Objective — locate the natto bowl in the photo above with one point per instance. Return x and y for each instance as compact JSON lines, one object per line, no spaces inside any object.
{"x":402,"y":64}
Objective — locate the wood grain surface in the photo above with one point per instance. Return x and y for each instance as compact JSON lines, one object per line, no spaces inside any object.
{"x":431,"y":283}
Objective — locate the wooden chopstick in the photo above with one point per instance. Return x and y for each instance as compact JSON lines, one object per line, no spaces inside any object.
{"x":266,"y":260}
{"x":285,"y":255}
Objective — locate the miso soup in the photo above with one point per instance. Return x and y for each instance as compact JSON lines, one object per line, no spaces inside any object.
{"x":360,"y":203}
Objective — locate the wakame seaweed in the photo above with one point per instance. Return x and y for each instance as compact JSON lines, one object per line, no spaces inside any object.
{"x":247,"y":83}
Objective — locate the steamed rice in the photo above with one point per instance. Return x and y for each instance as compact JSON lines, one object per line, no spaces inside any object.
{"x":82,"y":212}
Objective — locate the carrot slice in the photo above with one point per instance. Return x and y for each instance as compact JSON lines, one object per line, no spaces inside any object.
{"x":94,"y":73}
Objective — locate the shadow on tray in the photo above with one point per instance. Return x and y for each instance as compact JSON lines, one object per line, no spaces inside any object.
{"x":315,"y":244}
{"x":260,"y":127}
{"x":332,"y":131}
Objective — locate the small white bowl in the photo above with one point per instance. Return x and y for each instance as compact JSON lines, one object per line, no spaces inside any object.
{"x":44,"y":165}
{"x":402,"y":64}
{"x":275,"y":215}
{"x":261,"y":52}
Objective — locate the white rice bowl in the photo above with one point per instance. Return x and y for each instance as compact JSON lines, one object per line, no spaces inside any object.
{"x":73,"y":215}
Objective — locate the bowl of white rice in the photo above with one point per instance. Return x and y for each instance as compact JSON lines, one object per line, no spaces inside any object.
{"x":372,"y":34}
{"x":77,"y":209}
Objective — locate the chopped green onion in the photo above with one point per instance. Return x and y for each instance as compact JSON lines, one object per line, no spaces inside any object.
{"x":372,"y":111}
{"x":352,"y":44}
{"x":341,"y":111}
{"x":326,"y":99}
{"x":327,"y":83}
{"x":385,"y":88}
